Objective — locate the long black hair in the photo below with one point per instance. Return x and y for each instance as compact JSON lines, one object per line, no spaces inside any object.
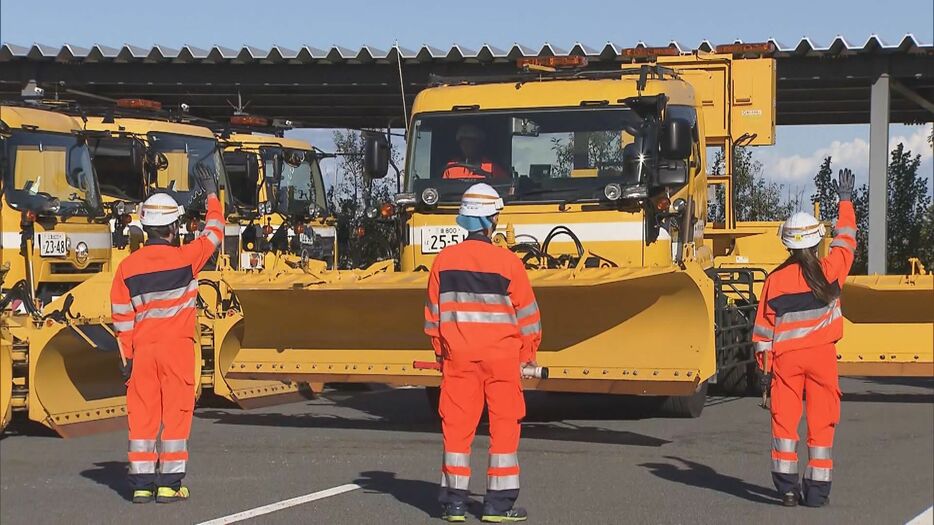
{"x":813,"y":273}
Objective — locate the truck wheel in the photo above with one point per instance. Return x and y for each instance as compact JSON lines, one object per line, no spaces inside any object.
{"x":433,"y":396}
{"x":685,"y":406}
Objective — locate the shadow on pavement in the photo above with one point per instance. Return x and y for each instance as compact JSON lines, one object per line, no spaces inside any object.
{"x":24,"y":427}
{"x":407,"y":410}
{"x":702,"y":476}
{"x":111,"y":474}
{"x":416,"y":493}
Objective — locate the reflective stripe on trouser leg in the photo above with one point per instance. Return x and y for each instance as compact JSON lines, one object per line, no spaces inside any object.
{"x":503,"y":473}
{"x":455,"y":470}
{"x":141,"y":454}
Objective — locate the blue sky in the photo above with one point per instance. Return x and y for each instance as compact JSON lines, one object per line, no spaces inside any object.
{"x":290,"y":24}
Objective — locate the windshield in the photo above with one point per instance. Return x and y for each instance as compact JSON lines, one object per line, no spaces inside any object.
{"x":119,"y":170}
{"x":535,"y":155}
{"x":297,"y":177}
{"x":42,"y":166}
{"x":176,"y":160}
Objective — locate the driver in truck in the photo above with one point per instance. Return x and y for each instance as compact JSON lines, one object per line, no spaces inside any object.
{"x":473,"y":164}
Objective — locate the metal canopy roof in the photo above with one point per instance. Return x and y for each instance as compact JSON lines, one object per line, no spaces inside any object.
{"x":341,"y":87}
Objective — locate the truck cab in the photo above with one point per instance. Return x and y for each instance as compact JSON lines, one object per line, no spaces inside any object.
{"x":138,"y":153}
{"x":598,"y":172}
{"x":279,"y":182}
{"x":55,"y":232}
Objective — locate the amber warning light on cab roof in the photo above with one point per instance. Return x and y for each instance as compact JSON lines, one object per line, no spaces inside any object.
{"x":740,"y":48}
{"x":644,"y":52}
{"x":249,"y":120}
{"x":139,"y":103}
{"x":554,"y":62}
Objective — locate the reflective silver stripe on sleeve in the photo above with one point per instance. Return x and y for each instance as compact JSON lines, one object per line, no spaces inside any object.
{"x":478,"y":317}
{"x":433,"y":308}
{"x":531,"y":309}
{"x":504,"y":460}
{"x":533,"y":328}
{"x":213,"y":223}
{"x":847,"y":231}
{"x":841,"y":243}
{"x":123,"y":326}
{"x":431,"y":325}
{"x":142,"y":467}
{"x":118,"y":308}
{"x":784,"y":444}
{"x":801,"y":332}
{"x":174,"y":445}
{"x":820,"y":452}
{"x":808,"y":315}
{"x":176,"y":466}
{"x":455,"y":481}
{"x":142,"y":445}
{"x":763,"y":346}
{"x":176,"y":293}
{"x":762,"y":331}
{"x":502,"y":482}
{"x":470,"y":297}
{"x":784,"y":466}
{"x":818,"y":473}
{"x":215,"y":240}
{"x":161,"y":313}
{"x":456,"y":459}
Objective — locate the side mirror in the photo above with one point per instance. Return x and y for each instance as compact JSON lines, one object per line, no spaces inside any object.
{"x":375,"y":155}
{"x":676,"y":139}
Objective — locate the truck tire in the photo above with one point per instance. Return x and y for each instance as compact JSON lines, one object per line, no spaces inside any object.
{"x":685,"y":406}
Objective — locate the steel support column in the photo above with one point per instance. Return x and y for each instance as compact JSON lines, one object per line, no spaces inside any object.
{"x":878,"y":172}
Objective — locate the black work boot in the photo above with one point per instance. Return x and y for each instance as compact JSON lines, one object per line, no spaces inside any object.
{"x":790,"y":499}
{"x":491,"y":515}
{"x":454,"y":512}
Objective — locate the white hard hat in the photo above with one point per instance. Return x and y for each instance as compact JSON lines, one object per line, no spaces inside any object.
{"x":160,"y":209}
{"x":469,"y":131}
{"x":480,"y":200}
{"x":801,"y":230}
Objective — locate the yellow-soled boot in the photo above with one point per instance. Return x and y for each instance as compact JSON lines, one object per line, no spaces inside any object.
{"x":170,"y":495}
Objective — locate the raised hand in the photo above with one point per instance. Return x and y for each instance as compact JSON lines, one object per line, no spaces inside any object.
{"x":844,"y":184}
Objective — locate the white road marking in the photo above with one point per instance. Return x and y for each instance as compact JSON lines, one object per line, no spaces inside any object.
{"x":284,"y":504}
{"x":925,"y":518}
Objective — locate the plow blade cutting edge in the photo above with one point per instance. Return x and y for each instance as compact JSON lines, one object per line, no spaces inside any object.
{"x":613,"y":330}
{"x":888,"y":326}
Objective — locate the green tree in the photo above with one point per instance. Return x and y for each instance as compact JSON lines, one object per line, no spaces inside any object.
{"x":824,"y":194}
{"x":861,"y":207}
{"x":908,"y":206}
{"x":756,"y":199}
{"x":926,"y":251}
{"x":361,"y":240}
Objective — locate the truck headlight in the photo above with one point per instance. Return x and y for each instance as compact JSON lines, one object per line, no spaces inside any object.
{"x":430,"y":196}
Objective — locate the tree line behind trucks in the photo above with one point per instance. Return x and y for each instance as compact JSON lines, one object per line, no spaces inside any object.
{"x":615,"y":247}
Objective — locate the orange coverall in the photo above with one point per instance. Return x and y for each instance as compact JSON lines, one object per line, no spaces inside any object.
{"x":153,"y":301}
{"x":483,"y":322}
{"x":799,"y":331}
{"x":459,"y":172}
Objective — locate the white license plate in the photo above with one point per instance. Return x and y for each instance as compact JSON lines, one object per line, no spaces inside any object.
{"x":53,"y":245}
{"x":436,"y":238}
{"x":304,"y":238}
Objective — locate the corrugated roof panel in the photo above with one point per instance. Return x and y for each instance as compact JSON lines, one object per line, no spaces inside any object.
{"x":610,"y":51}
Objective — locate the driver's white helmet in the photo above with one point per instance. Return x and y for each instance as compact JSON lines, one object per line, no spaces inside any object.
{"x":160,"y":209}
{"x":801,"y":230}
{"x":480,"y":200}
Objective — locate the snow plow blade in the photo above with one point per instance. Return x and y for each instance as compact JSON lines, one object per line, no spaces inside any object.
{"x":247,"y":393}
{"x":888,"y":326}
{"x":74,"y":382}
{"x":613,"y":330}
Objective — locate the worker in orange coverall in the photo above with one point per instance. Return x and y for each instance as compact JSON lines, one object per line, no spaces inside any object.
{"x":153,"y":300}
{"x":484,"y":325}
{"x":798,"y":321}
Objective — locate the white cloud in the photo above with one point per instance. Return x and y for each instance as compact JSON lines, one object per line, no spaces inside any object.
{"x":853,"y":154}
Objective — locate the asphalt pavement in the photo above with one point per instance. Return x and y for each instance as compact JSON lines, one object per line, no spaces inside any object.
{"x":585,"y":459}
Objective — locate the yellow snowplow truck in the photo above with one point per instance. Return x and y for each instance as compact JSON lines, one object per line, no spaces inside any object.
{"x":145,"y":150}
{"x":603,"y":175}
{"x":55,"y":362}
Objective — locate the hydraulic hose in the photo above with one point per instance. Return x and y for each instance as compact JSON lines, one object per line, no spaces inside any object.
{"x":563,"y":230}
